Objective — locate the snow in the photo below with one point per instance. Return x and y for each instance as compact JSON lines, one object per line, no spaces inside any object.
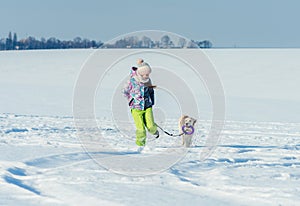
{"x":44,"y":162}
{"x":260,"y":84}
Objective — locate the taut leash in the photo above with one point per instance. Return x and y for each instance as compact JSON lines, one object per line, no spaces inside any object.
{"x":173,"y":135}
{"x":178,"y":135}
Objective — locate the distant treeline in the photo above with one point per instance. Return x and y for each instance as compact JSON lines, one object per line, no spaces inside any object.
{"x":12,"y":43}
{"x":165,"y":42}
{"x":30,"y":43}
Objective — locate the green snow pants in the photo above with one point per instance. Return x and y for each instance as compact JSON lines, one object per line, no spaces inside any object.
{"x":141,"y":119}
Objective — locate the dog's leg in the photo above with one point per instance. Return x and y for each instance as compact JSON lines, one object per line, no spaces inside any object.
{"x":188,"y":141}
{"x":185,"y":140}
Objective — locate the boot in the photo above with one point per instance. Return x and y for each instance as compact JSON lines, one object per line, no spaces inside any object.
{"x":156,"y":134}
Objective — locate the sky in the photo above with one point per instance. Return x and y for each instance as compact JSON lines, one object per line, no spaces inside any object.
{"x":226,"y":23}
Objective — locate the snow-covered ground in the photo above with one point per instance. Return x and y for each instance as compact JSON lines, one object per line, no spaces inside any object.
{"x":256,"y":161}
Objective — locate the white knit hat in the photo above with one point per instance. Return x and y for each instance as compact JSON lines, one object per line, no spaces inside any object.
{"x":144,"y":68}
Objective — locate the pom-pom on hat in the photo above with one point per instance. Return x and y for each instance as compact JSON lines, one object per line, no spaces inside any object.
{"x":139,"y":62}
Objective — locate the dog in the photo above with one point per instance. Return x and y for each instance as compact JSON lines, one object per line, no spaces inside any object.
{"x":188,"y":123}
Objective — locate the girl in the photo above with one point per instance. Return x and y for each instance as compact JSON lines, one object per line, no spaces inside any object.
{"x":140,"y":94}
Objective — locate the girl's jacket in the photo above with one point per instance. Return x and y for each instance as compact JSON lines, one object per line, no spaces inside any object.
{"x":138,"y":94}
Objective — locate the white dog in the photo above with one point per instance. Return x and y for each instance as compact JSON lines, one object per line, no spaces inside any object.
{"x":187,"y":123}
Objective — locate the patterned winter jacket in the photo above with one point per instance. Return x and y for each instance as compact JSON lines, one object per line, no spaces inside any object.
{"x":138,"y":94}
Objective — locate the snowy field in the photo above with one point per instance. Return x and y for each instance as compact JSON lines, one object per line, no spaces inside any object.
{"x":256,"y":161}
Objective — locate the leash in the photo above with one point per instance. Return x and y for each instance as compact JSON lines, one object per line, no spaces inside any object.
{"x":173,"y":135}
{"x":178,"y":135}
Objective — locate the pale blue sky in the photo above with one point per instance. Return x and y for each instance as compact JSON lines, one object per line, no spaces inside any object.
{"x":226,"y":23}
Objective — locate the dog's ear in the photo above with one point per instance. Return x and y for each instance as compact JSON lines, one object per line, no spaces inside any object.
{"x":184,"y":116}
{"x":181,"y":120}
{"x":194,"y":121}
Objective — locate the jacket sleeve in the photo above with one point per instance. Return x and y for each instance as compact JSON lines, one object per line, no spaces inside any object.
{"x":151,"y":92}
{"x":126,"y":90}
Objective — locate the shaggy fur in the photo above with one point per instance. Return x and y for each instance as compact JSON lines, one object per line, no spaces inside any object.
{"x":186,"y":121}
